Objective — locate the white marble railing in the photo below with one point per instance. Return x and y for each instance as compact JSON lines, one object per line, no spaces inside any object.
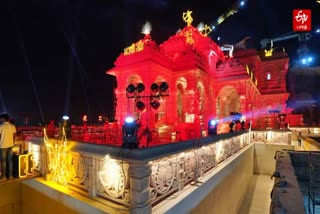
{"x":138,"y":178}
{"x":172,"y":173}
{"x":306,"y":130}
{"x":271,"y":136}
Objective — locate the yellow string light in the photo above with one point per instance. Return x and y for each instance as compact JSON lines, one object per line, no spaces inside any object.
{"x":59,"y":160}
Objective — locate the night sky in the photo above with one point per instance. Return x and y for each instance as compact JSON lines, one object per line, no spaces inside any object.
{"x":54,"y":53}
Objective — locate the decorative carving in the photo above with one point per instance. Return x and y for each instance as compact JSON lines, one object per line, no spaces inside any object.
{"x":112,"y":182}
{"x":188,"y":166}
{"x":163,"y":176}
{"x":270,"y":137}
{"x":35,"y":150}
{"x":79,"y":169}
{"x":227,"y":149}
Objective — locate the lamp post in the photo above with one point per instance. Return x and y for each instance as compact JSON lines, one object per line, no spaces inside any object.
{"x":66,"y":126}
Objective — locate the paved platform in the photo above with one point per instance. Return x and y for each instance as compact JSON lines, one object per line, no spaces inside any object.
{"x":35,"y":175}
{"x":258,"y":199}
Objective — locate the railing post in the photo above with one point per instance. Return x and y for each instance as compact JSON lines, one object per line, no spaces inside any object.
{"x":180,"y":173}
{"x":43,"y":161}
{"x":139,"y":175}
{"x":92,"y":176}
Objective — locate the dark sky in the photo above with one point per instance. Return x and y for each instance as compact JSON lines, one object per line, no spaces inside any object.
{"x":55,"y":53}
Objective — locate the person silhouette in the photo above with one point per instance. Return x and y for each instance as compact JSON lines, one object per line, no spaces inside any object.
{"x":7,"y":141}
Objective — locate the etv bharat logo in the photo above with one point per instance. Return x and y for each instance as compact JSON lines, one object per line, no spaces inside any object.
{"x":301,"y":20}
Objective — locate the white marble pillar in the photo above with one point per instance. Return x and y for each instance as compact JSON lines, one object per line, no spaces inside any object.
{"x":139,"y":174}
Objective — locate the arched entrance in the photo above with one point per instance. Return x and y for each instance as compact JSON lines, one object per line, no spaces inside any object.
{"x":228,"y":101}
{"x":181,"y":85}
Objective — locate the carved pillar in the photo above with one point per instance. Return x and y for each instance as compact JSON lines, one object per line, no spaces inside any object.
{"x":139,"y":174}
{"x":43,"y":161}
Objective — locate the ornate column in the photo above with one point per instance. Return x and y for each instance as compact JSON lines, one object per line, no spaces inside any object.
{"x":139,"y":175}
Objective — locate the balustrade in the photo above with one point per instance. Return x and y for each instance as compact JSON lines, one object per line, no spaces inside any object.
{"x":137,"y":178}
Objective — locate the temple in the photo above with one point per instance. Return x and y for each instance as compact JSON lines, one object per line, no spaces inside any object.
{"x":204,"y":128}
{"x":204,"y":82}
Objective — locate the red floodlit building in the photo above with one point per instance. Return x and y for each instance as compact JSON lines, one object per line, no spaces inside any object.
{"x":205,"y":82}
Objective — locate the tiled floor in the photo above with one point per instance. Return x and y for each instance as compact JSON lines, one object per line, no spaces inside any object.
{"x":258,"y":200}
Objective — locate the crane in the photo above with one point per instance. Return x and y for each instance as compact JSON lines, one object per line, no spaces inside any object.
{"x":301,"y":36}
{"x":302,"y":51}
{"x":231,"y":11}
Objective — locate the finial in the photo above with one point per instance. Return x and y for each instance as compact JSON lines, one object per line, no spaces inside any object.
{"x":187,"y":17}
{"x":146,"y":28}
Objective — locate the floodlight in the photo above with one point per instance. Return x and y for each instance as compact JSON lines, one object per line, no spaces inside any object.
{"x":140,"y":87}
{"x":154,"y":87}
{"x":213,"y":122}
{"x":65,"y":117}
{"x":129,"y":120}
{"x":141,"y":106}
{"x":212,"y":127}
{"x":155,"y":104}
{"x":129,"y":127}
{"x":130,"y":133}
{"x":131,"y":88}
{"x":164,"y":87}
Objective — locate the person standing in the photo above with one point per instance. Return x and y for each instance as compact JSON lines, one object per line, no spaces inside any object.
{"x":299,"y":139}
{"x":7,"y":140}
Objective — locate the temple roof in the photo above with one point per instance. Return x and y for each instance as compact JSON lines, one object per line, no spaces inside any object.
{"x":143,"y":50}
{"x":187,"y":49}
{"x":190,"y":38}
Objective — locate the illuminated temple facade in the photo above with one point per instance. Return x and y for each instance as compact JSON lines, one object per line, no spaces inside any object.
{"x":205,"y":83}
